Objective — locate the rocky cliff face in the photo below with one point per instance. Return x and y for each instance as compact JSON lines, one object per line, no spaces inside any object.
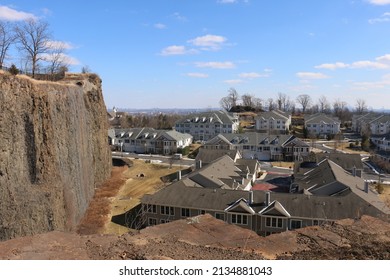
{"x":53,"y":152}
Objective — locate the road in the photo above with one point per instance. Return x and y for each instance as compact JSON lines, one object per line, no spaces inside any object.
{"x":156,"y":158}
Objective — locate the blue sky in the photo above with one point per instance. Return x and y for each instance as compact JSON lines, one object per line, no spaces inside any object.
{"x":187,"y":54}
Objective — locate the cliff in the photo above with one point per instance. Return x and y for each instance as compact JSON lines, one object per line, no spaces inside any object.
{"x":53,"y":152}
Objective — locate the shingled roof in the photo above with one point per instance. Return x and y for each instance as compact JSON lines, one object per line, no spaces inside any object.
{"x":350,"y":205}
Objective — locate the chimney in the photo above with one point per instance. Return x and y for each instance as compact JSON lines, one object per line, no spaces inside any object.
{"x":359,"y":173}
{"x":199,"y":164}
{"x":354,"y":171}
{"x":250,"y":201}
{"x":366,"y":187}
{"x":267,"y":198}
{"x":179,"y":175}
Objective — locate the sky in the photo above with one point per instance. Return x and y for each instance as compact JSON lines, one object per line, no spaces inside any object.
{"x":188,"y":54}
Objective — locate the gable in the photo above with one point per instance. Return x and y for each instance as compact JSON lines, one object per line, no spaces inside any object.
{"x":275,"y":209}
{"x":240,"y":206}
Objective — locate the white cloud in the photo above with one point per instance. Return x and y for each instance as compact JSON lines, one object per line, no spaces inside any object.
{"x":384,"y":59}
{"x":176,"y":50}
{"x":208,"y":42}
{"x":59,"y":45}
{"x":383,"y":18}
{"x":379,"y":2}
{"x":332,"y":66}
{"x":233,"y":82}
{"x":381,"y":62}
{"x":227,"y":1}
{"x":62,"y":57}
{"x":179,"y":17}
{"x":311,"y":75}
{"x":197,"y":75}
{"x":215,"y":65}
{"x":384,"y":82}
{"x":369,"y":64}
{"x":160,"y":26}
{"x":9,"y":14}
{"x":252,"y":75}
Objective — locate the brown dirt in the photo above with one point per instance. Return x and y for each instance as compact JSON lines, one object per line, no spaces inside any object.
{"x":205,"y":238}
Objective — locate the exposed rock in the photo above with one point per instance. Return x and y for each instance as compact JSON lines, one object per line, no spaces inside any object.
{"x":53,"y":152}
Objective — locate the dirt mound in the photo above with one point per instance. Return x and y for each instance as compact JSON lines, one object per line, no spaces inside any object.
{"x":205,"y":237}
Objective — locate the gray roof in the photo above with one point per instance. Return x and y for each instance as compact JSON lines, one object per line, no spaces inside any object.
{"x":328,"y":178}
{"x":346,"y":161}
{"x":209,"y":155}
{"x":276,"y":114}
{"x":349,"y":205}
{"x":209,"y":117}
{"x":221,"y":173}
{"x":150,"y":133}
{"x":318,"y":118}
{"x":381,"y":119}
{"x":252,"y":138}
{"x":174,"y":135}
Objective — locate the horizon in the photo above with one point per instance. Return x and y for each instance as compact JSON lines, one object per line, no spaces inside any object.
{"x":157,"y":54}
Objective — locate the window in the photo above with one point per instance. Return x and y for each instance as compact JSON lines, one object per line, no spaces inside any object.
{"x":185,"y":212}
{"x":127,"y":141}
{"x":202,"y":212}
{"x":316,"y":222}
{"x":150,"y":208}
{"x":164,"y":221}
{"x":220,"y":216}
{"x":296,"y":224}
{"x":152,"y":222}
{"x":239,"y":219}
{"x":274,"y":222}
{"x":166,"y":210}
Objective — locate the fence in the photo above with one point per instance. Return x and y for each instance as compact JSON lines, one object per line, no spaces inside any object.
{"x":39,"y":76}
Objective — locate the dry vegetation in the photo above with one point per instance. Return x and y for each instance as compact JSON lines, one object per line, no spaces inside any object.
{"x":385,"y":195}
{"x":96,"y":215}
{"x":121,"y":193}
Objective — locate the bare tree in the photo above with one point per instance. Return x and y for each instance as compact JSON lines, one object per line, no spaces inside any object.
{"x":56,"y":58}
{"x":225,"y":103}
{"x":271,"y":104}
{"x":304,"y":100}
{"x":361,"y":106}
{"x":32,"y":37}
{"x":280,"y":100}
{"x":338,"y":107}
{"x":233,"y":96}
{"x":288,"y":104}
{"x":284,"y":102}
{"x":323,"y":104}
{"x":258,"y":104}
{"x":341,"y":111}
{"x":247,"y":100}
{"x":7,"y":37}
{"x":315,"y":109}
{"x":230,"y":100}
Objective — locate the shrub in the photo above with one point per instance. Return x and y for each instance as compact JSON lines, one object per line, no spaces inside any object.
{"x":379,"y":188}
{"x":13,"y":70}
